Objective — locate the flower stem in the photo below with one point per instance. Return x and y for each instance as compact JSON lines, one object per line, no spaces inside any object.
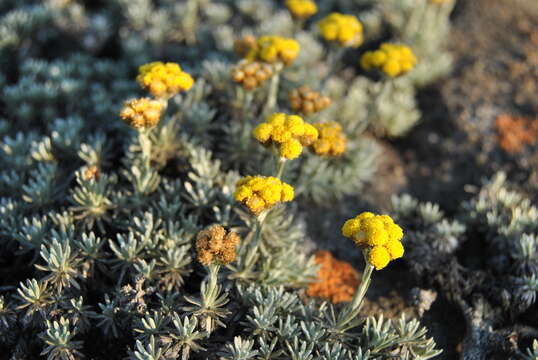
{"x":311,"y":177}
{"x":260,"y":218}
{"x":145,"y":145}
{"x":213,"y":277}
{"x":281,"y":166}
{"x":333,"y":61}
{"x":191,"y":21}
{"x":373,"y":107}
{"x":273,"y":90}
{"x":298,"y":25}
{"x":351,"y":310}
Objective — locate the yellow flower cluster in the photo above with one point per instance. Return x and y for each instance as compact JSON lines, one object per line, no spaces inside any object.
{"x":344,"y":29}
{"x":259,"y":193}
{"x":141,"y":113}
{"x":272,"y":49}
{"x":163,"y":80}
{"x":331,"y":140}
{"x":301,"y":9}
{"x":290,"y":132}
{"x":392,"y":59}
{"x":378,"y":234}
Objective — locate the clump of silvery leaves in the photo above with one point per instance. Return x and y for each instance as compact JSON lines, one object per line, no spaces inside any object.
{"x":496,"y":286}
{"x":96,"y":251}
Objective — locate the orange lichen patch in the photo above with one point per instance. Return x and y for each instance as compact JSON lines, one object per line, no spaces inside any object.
{"x":516,"y":132}
{"x":337,"y":280}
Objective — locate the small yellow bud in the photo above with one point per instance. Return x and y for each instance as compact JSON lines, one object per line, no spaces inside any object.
{"x":291,"y":149}
{"x":395,"y":249}
{"x":379,"y":257}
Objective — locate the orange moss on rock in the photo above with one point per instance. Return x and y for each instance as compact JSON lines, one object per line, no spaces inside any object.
{"x":516,"y":132}
{"x":337,"y":280}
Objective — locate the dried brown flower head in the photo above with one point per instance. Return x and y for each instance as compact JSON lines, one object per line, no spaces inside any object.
{"x":216,"y":244}
{"x":141,"y":113}
{"x":251,"y":75}
{"x":242,"y":46}
{"x":92,"y":172}
{"x":306,"y":101}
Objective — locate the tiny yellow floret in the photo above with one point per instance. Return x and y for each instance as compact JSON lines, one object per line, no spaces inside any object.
{"x":395,"y":249}
{"x":291,"y":149}
{"x":346,"y":30}
{"x":163,"y":80}
{"x":301,"y":9}
{"x":262,"y":132}
{"x":351,"y":227}
{"x":392,"y":59}
{"x":377,"y":235}
{"x":379,"y":257}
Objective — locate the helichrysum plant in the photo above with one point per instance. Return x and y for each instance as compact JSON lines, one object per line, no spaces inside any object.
{"x":143,"y":113}
{"x":147,"y":209}
{"x":301,"y":9}
{"x":342,"y":29}
{"x":378,"y":236}
{"x":260,"y":193}
{"x":289,"y":133}
{"x":392,"y":59}
{"x":163,"y":80}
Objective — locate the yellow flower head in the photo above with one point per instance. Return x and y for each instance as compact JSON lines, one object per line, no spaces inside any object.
{"x":378,"y":235}
{"x":331,"y":141}
{"x":392,"y":59}
{"x":346,"y":30}
{"x":259,"y":193}
{"x":141,"y":113}
{"x":272,"y":49}
{"x":289,"y":132}
{"x":163,"y":80}
{"x":301,"y":9}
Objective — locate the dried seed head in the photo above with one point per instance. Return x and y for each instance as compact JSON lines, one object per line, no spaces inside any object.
{"x":251,"y":75}
{"x":141,"y":113}
{"x":306,"y":101}
{"x":92,"y":172}
{"x":215,"y":244}
{"x":244,"y":45}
